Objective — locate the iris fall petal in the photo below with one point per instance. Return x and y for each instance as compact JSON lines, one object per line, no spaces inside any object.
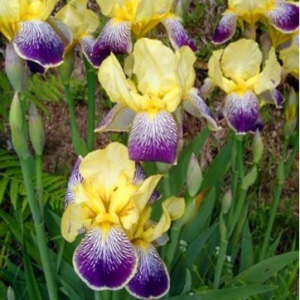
{"x":225,"y":29}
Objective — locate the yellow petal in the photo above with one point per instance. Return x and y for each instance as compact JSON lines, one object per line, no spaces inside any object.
{"x":113,"y":80}
{"x":173,"y":208}
{"x":185,"y":67}
{"x":103,"y":168}
{"x":269,"y":78}
{"x":144,"y":192}
{"x":149,"y":9}
{"x":74,"y":220}
{"x":156,"y":76}
{"x":215,"y":73}
{"x":9,"y":14}
{"x":118,"y":8}
{"x":241,"y":60}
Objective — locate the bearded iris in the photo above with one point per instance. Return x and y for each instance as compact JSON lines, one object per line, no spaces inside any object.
{"x":282,"y":15}
{"x":149,"y":98}
{"x":137,"y":17}
{"x":109,"y":199}
{"x":237,"y":71}
{"x":36,"y":37}
{"x":83,"y":23}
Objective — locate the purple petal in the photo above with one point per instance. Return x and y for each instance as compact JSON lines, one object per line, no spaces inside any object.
{"x":38,"y":42}
{"x":195,"y":106}
{"x":153,"y":137}
{"x":118,"y":119}
{"x":35,"y":67}
{"x":177,"y":34}
{"x":115,"y":37}
{"x":87,"y":45}
{"x":105,"y":258}
{"x":284,"y":17}
{"x":225,"y":29}
{"x":151,"y":280}
{"x":74,"y":179}
{"x":273,"y":97}
{"x":241,"y":111}
{"x":258,"y":125}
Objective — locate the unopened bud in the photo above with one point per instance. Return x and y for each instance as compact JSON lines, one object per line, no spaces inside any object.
{"x":291,"y":114}
{"x":249,"y":179}
{"x":257,"y":147}
{"x":36,"y":130}
{"x":15,"y":68}
{"x":65,"y":70}
{"x":19,"y":138}
{"x":194,"y":176}
{"x":226,"y":202}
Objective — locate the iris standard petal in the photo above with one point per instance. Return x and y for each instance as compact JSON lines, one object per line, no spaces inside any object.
{"x":118,"y":119}
{"x":151,"y":280}
{"x":87,"y":45}
{"x":74,"y":179}
{"x":241,"y":60}
{"x":177,"y":34}
{"x":105,"y":258}
{"x":115,"y":37}
{"x":241,"y":111}
{"x":284,"y":17}
{"x":225,"y":29}
{"x":153,"y":137}
{"x":38,"y":42}
{"x":195,"y":106}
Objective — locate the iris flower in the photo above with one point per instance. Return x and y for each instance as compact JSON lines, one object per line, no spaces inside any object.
{"x":108,"y":198}
{"x":138,"y":17}
{"x":282,"y":15}
{"x":36,"y":37}
{"x":237,"y":71}
{"x":83,"y":23}
{"x":159,"y":80}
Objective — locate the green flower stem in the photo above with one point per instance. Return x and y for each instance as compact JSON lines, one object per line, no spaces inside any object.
{"x":40,"y":230}
{"x":91,"y":85}
{"x":220,"y":263}
{"x":282,"y":173}
{"x":39,"y":183}
{"x":78,"y":143}
{"x":172,"y":246}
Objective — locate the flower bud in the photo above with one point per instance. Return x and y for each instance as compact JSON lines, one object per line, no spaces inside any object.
{"x":15,"y":68}
{"x":249,"y":179}
{"x":36,"y":130}
{"x":291,"y":114}
{"x":19,"y":138}
{"x":226,"y":202}
{"x":257,"y":147}
{"x":65,"y":70}
{"x":194,"y":176}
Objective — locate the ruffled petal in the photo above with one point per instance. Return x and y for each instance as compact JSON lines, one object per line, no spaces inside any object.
{"x":38,"y":42}
{"x":115,"y":37}
{"x":177,"y":34}
{"x":225,"y":29}
{"x":284,"y":17}
{"x":153,"y":137}
{"x":87,"y":45}
{"x":105,"y":258}
{"x":195,"y":106}
{"x":241,"y":111}
{"x":74,"y":179}
{"x":118,"y":119}
{"x":151,"y":280}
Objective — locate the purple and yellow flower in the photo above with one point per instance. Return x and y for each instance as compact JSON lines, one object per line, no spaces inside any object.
{"x":238,"y":72}
{"x":108,"y":198}
{"x":146,"y":100}
{"x":36,"y":37}
{"x":137,"y":17}
{"x":83,"y":22}
{"x":282,"y":15}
